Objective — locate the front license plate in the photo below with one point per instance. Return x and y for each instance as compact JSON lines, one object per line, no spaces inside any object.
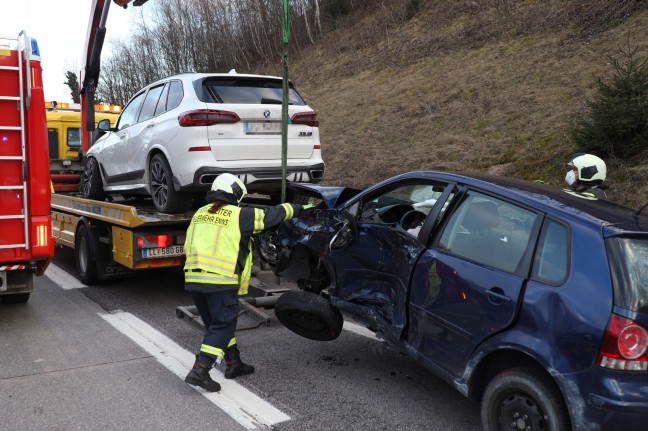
{"x":262,"y":127}
{"x":152,"y":253}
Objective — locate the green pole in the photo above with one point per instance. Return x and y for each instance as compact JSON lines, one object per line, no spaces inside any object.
{"x":284,"y":103}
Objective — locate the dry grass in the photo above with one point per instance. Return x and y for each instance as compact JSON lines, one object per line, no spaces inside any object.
{"x":464,"y":86}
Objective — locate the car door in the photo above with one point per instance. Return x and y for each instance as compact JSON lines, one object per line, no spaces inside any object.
{"x":373,"y":270}
{"x":468,"y":282}
{"x":142,"y":134}
{"x":114,"y":149}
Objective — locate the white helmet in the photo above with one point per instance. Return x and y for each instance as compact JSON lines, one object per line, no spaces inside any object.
{"x":231,"y":185}
{"x":590,"y":168}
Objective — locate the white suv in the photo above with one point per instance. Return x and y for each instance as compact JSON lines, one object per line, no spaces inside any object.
{"x":177,"y":134}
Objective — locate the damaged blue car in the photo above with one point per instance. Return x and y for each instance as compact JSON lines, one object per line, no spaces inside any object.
{"x":530,"y":299}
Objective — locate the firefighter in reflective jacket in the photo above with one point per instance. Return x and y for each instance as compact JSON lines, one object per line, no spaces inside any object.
{"x":217,"y":270}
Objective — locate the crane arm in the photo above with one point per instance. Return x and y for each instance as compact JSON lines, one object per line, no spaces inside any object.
{"x":91,"y":62}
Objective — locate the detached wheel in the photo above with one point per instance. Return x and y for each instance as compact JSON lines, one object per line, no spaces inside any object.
{"x":523,"y":399}
{"x":83,"y":249}
{"x":165,"y":198}
{"x":309,"y":315}
{"x":16,"y":298}
{"x":91,"y":185}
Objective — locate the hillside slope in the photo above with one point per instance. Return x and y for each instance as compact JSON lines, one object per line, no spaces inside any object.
{"x":466,"y":86}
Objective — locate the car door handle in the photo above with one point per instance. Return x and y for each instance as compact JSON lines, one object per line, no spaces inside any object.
{"x":150,"y":125}
{"x":497,"y":296}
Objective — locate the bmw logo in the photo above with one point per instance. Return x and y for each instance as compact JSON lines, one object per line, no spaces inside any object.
{"x":266,"y":113}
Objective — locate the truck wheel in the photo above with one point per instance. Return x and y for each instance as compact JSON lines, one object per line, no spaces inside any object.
{"x":165,"y":198}
{"x":91,"y":186}
{"x":309,"y":315}
{"x":86,"y":267}
{"x":523,"y":398}
{"x":16,"y":298}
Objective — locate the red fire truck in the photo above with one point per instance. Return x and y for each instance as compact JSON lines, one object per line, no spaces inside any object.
{"x":26,"y":243}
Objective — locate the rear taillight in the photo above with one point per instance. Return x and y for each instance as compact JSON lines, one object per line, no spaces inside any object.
{"x":206,"y":117}
{"x":153,"y":241}
{"x":624,"y":346}
{"x":306,"y":118}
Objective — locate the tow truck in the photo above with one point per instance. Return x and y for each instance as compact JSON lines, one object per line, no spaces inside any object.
{"x":64,"y":139}
{"x":117,"y":238}
{"x":111,"y":239}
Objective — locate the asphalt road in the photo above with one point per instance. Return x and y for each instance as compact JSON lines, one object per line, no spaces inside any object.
{"x":352,"y":383}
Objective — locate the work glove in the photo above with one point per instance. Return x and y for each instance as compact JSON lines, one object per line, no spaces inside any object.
{"x":308,"y":206}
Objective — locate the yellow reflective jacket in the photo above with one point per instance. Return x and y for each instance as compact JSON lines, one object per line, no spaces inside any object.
{"x":218,"y":246}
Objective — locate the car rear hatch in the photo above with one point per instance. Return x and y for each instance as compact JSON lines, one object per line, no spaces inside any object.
{"x":254,"y":131}
{"x":628,"y":257}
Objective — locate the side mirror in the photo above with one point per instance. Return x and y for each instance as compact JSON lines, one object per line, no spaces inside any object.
{"x":104,"y":126}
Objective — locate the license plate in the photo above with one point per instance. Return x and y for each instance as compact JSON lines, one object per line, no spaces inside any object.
{"x":262,"y":128}
{"x":152,"y":253}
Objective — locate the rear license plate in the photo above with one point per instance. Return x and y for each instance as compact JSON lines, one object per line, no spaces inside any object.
{"x":152,"y":253}
{"x":262,"y":128}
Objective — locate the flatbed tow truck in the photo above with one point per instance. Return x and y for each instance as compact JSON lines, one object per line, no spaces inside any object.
{"x":112,"y":239}
{"x":117,"y":238}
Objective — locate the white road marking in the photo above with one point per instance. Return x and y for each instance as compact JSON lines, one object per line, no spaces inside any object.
{"x":62,"y":278}
{"x":360,"y":330}
{"x":248,"y":409}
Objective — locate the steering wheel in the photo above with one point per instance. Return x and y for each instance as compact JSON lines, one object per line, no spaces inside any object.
{"x":412,"y":219}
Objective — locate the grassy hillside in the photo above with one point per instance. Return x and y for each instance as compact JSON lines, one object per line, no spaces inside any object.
{"x":487,"y":86}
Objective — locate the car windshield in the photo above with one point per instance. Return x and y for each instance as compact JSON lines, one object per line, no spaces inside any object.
{"x":249,"y":91}
{"x":629,"y":260}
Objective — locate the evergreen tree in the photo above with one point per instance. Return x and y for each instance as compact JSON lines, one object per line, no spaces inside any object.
{"x":73,"y":82}
{"x":617,"y":121}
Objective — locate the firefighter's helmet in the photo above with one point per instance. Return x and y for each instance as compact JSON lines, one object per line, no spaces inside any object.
{"x":231,"y":185}
{"x":590,"y":169}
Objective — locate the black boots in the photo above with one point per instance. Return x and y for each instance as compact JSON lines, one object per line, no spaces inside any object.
{"x":199,"y":376}
{"x":233,"y":365}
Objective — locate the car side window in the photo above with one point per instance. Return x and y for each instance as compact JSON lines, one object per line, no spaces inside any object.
{"x":406,"y":206}
{"x":129,"y":115}
{"x":489,"y":231}
{"x":150,"y":103}
{"x":551,"y":264}
{"x":161,"y":106}
{"x":175,"y":95}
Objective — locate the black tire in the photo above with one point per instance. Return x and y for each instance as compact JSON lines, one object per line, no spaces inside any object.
{"x":16,"y":298}
{"x":309,"y":315}
{"x":523,"y":397}
{"x":84,"y":246}
{"x":91,"y":185}
{"x":165,"y":198}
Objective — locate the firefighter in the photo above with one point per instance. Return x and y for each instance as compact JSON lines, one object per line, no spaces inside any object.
{"x":587,"y":175}
{"x":217,"y":270}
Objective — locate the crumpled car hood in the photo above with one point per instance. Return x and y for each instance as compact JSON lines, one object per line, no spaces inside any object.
{"x":332,"y":196}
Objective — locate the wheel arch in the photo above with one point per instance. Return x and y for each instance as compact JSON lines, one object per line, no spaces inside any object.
{"x":161,"y":151}
{"x":306,"y":268}
{"x":500,"y":360}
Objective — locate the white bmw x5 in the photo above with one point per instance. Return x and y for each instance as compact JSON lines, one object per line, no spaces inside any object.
{"x":177,"y":134}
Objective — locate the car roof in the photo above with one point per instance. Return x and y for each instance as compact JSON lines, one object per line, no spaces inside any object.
{"x":553,"y":199}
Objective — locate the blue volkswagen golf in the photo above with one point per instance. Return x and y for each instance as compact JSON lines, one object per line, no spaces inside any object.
{"x":528,"y":298}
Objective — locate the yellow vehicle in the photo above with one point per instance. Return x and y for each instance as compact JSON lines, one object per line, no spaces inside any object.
{"x":64,"y":127}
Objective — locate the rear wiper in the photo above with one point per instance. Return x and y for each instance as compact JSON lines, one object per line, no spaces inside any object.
{"x":270,"y":101}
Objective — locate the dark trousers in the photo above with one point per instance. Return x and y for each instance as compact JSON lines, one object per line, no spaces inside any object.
{"x":219,"y":311}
